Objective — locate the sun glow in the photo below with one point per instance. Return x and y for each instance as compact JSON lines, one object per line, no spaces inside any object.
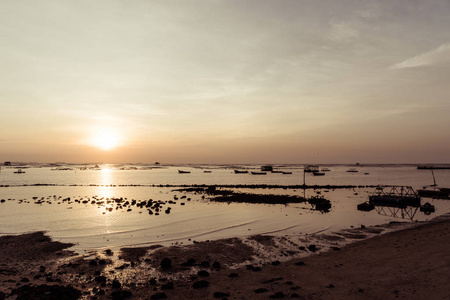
{"x":105,"y":139}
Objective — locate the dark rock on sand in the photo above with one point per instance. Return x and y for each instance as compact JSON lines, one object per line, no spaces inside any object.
{"x":216,"y":265}
{"x":220,"y":295}
{"x":167,"y":286}
{"x":166,"y":263}
{"x":273,"y":280}
{"x":205,"y":264}
{"x":189,"y":263}
{"x":277,"y":295}
{"x":312,"y":248}
{"x":158,"y":296}
{"x":233,"y":275}
{"x":93,"y":263}
{"x":116,"y":284}
{"x":100,"y":279}
{"x":122,"y":294}
{"x":203,"y":273}
{"x":44,"y":291}
{"x":276,"y":263}
{"x":200,"y":284}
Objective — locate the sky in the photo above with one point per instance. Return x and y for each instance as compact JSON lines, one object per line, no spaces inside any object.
{"x":232,"y":81}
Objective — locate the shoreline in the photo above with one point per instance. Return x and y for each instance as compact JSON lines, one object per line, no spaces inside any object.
{"x":334,"y":273}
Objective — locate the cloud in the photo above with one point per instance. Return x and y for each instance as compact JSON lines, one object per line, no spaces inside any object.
{"x":343,"y":31}
{"x":433,"y":57}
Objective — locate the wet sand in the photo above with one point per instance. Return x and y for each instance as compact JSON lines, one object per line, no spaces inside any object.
{"x":413,"y":263}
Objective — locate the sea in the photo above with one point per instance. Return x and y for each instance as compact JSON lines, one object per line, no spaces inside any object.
{"x":73,"y":203}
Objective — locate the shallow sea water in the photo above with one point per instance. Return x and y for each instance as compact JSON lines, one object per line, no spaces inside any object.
{"x":92,"y":227}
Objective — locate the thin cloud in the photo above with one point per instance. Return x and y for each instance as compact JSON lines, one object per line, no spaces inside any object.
{"x":343,"y":31}
{"x":433,"y":57}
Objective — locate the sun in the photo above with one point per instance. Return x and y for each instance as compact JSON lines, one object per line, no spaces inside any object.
{"x":105,"y":139}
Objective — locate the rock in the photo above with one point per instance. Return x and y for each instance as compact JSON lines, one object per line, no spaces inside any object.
{"x":121,"y":294}
{"x":233,"y":275}
{"x":101,"y":292}
{"x":116,"y":284}
{"x":44,"y":291}
{"x":330,"y":286}
{"x":189,"y":263}
{"x":203,"y":273}
{"x":167,"y":286}
{"x":153,"y":281}
{"x":276,"y":263}
{"x":260,"y":290}
{"x":158,"y":296}
{"x":93,"y":263}
{"x":312,"y":248}
{"x":166,"y":263}
{"x":205,"y":264}
{"x":100,"y":279}
{"x":200,"y":284}
{"x":300,"y":263}
{"x":216,"y":265}
{"x":277,"y":295}
{"x":220,"y":295}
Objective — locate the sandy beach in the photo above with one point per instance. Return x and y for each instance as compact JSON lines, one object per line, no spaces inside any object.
{"x":411,"y":263}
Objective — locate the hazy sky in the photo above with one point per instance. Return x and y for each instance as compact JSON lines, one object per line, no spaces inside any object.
{"x":225,"y":81}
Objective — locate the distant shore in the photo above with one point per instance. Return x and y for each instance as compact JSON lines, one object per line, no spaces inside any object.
{"x":412,"y":263}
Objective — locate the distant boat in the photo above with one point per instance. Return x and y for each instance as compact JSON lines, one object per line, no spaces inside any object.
{"x":286,"y":172}
{"x":325,"y":170}
{"x":435,"y":192}
{"x":352,"y":170}
{"x":427,"y":208}
{"x":365,"y":206}
{"x":240,"y":171}
{"x":267,"y":168}
{"x":311,"y":168}
{"x":183,"y":172}
{"x":258,"y":173}
{"x":433,"y":167}
{"x":206,"y":171}
{"x":317,"y":173}
{"x":19,"y":171}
